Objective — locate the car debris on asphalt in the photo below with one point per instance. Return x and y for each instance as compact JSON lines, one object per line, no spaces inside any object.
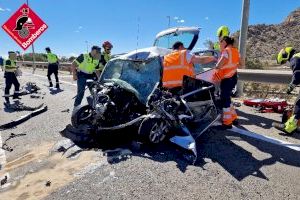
{"x":12,"y":135}
{"x":22,"y":119}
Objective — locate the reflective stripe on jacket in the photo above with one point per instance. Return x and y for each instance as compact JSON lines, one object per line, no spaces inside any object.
{"x":296,"y":55}
{"x":230,"y":66}
{"x":175,"y":66}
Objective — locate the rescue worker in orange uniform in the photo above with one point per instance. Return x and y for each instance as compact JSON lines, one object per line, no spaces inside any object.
{"x":226,"y":74}
{"x":178,"y":63}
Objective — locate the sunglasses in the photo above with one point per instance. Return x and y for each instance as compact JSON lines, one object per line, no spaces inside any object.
{"x":107,"y":49}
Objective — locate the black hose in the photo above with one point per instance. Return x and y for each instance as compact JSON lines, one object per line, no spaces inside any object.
{"x":23,"y":118}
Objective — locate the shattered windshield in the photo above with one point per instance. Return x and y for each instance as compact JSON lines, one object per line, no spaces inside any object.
{"x":141,"y":75}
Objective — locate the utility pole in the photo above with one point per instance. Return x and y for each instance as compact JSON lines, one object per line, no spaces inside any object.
{"x":169,"y":21}
{"x":243,"y":38}
{"x":87,"y":46}
{"x":33,"y":54}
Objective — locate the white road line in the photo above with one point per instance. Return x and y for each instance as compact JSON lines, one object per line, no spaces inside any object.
{"x":3,"y":162}
{"x":2,"y":153}
{"x":66,"y":82}
{"x":264,"y":138}
{"x":276,"y":141}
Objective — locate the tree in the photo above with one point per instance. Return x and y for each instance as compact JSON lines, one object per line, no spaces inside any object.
{"x":209,"y":44}
{"x":72,"y":58}
{"x":40,"y":57}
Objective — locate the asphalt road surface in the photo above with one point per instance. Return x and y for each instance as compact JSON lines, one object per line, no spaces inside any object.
{"x":40,"y":161}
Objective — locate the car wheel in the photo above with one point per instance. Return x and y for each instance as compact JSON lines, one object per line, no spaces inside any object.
{"x":152,"y":130}
{"x":81,"y":115}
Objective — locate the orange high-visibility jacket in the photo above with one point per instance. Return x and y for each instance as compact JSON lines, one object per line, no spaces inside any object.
{"x":175,"y":66}
{"x":230,"y":66}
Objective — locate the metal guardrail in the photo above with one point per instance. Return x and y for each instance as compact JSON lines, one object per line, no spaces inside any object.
{"x":40,"y":63}
{"x":43,"y":65}
{"x":265,"y":76}
{"x":261,"y":76}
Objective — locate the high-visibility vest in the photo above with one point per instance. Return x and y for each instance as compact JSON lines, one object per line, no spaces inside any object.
{"x":217,"y":46}
{"x":231,"y":65}
{"x":105,"y":57}
{"x":175,"y":66}
{"x":52,"y":58}
{"x":88,"y":65}
{"x":12,"y":67}
{"x":296,"y":55}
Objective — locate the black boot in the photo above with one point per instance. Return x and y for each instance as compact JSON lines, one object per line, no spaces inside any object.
{"x":57,"y":86}
{"x":225,"y":126}
{"x":50,"y":84}
{"x":16,"y":96}
{"x":7,"y":102}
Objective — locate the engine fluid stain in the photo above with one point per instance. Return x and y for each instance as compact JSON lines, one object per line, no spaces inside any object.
{"x":59,"y":171}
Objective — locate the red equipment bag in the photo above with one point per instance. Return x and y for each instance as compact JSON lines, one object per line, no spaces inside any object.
{"x":267,"y":105}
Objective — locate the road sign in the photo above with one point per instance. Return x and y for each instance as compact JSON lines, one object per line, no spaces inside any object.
{"x":24,"y":26}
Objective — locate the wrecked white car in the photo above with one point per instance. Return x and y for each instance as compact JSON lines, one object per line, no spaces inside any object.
{"x":129,"y":93}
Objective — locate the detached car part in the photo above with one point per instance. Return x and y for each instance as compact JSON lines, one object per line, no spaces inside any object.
{"x":23,"y":118}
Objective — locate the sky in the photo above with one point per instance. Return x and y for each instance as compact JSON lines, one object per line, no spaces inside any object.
{"x":76,"y":25}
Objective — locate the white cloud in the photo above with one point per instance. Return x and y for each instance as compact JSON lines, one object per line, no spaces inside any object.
{"x":176,"y":18}
{"x":4,"y":9}
{"x":77,"y":31}
{"x":80,"y":27}
{"x":180,"y":21}
{"x":206,"y":18}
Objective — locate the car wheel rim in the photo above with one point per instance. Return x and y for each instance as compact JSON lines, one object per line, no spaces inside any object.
{"x":157,"y":133}
{"x":85,"y":115}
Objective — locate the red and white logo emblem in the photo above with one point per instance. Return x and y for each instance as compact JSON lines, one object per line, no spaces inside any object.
{"x":24,"y":26}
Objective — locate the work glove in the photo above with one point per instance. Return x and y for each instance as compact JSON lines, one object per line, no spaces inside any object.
{"x":290,"y":88}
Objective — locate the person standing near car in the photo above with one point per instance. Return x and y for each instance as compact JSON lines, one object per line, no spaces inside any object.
{"x":290,"y":54}
{"x":84,"y":67}
{"x":106,"y":54}
{"x":10,"y":76}
{"x":52,"y":67}
{"x":178,"y":63}
{"x":226,"y":74}
{"x":2,"y":63}
{"x":221,"y":32}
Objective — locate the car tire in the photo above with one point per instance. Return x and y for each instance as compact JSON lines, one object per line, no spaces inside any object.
{"x":80,"y":115}
{"x":152,"y":130}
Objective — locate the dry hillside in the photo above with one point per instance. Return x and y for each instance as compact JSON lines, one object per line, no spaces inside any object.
{"x":264,"y":41}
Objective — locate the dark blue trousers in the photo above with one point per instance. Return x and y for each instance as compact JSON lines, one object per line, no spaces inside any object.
{"x":226,"y":87}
